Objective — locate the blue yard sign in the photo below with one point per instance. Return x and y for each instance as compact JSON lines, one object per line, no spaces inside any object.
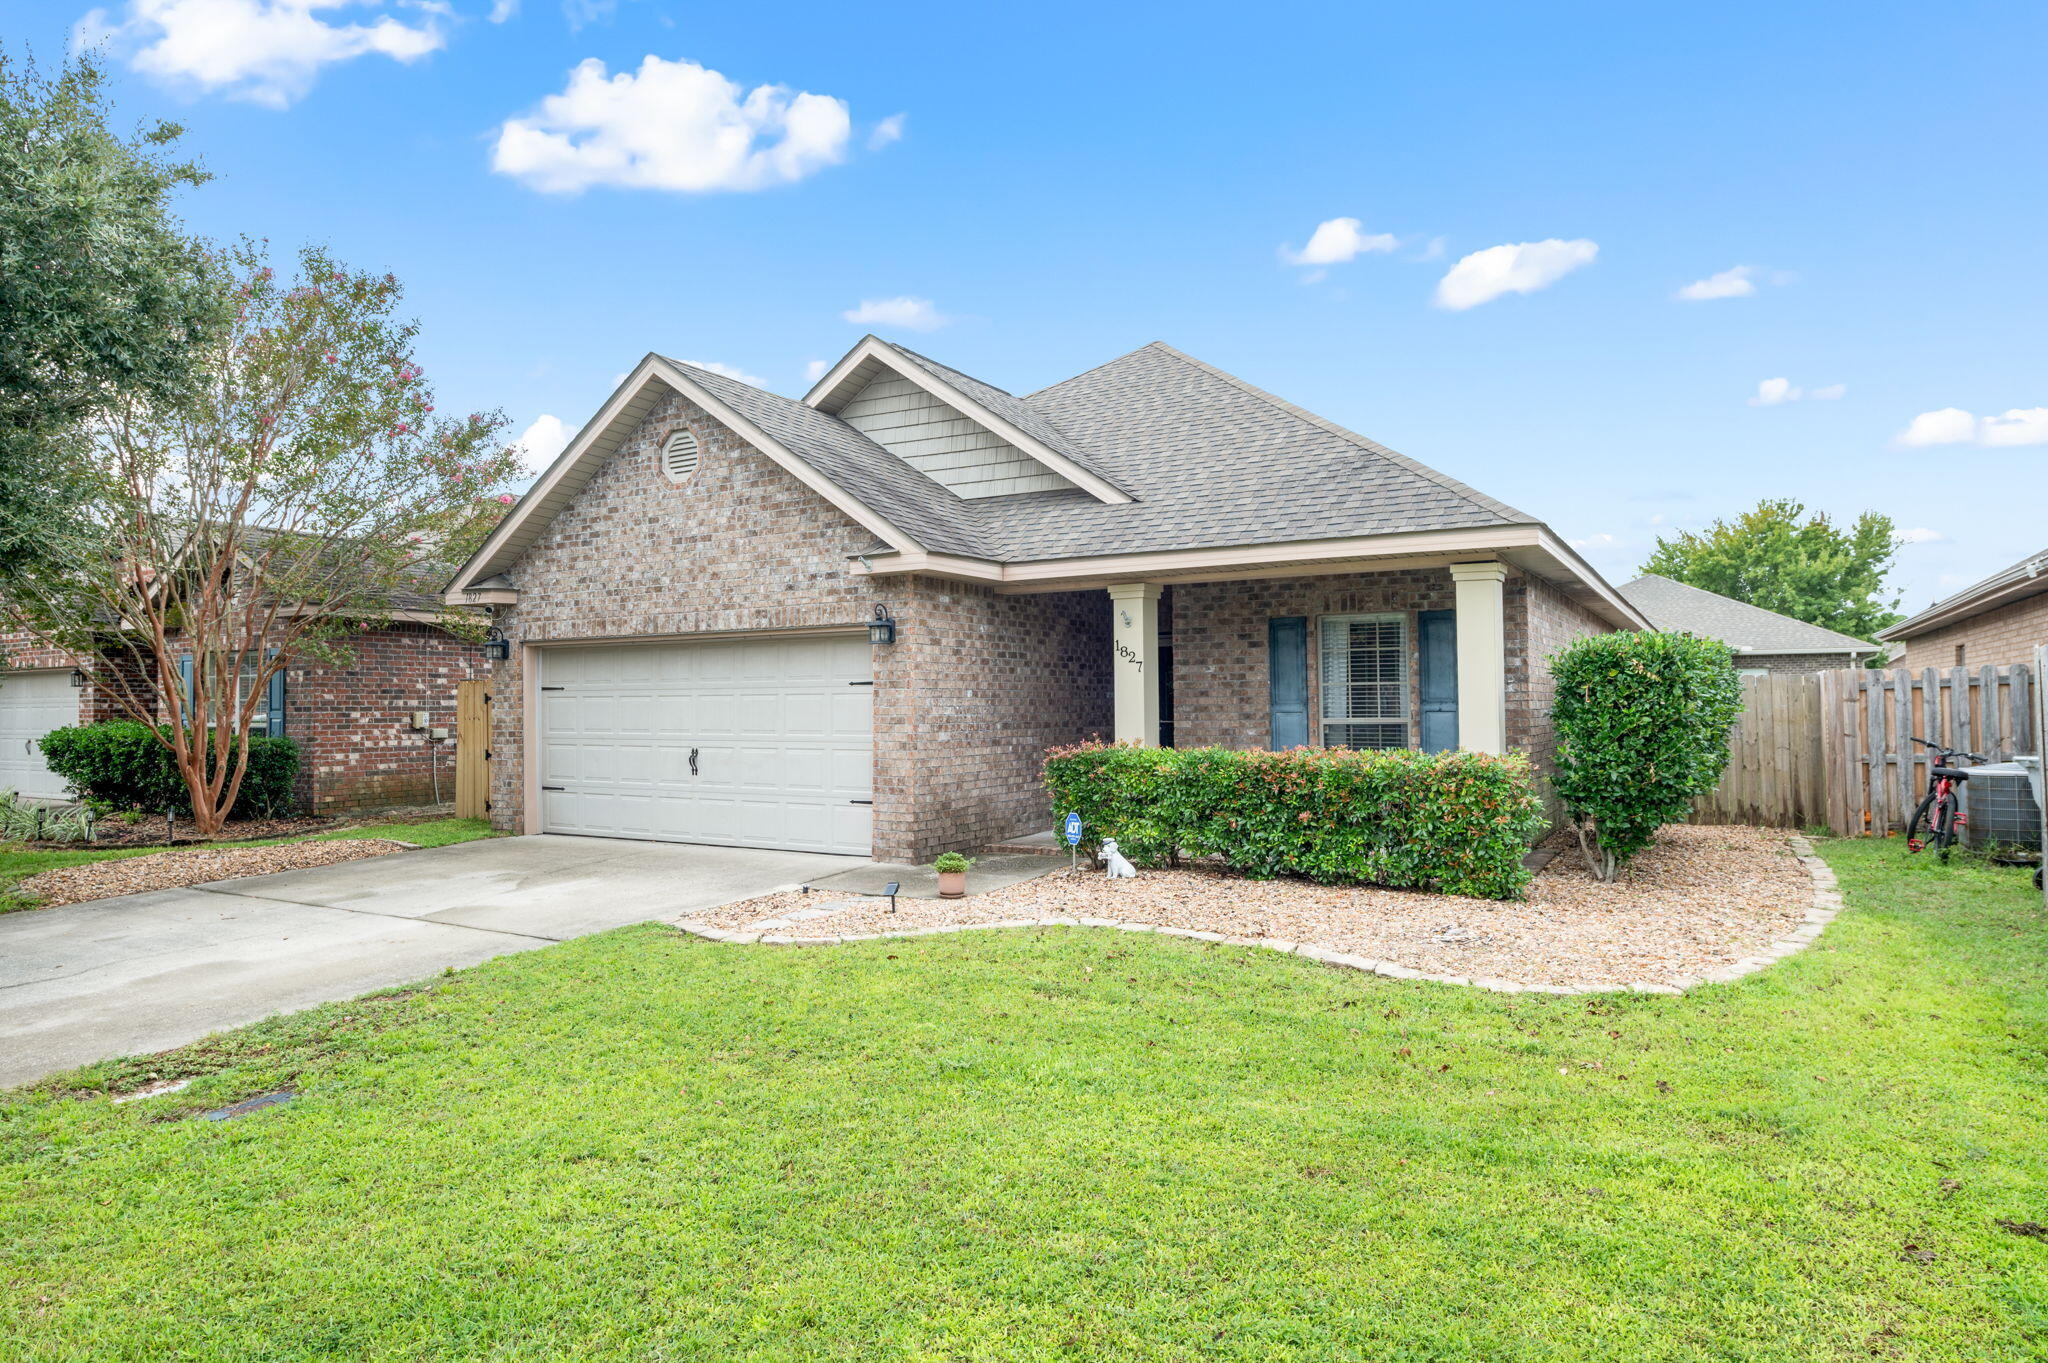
{"x":1072,"y":828}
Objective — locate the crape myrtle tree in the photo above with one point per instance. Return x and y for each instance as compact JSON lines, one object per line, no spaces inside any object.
{"x":101,"y":296}
{"x":291,"y":499}
{"x":1642,"y":721}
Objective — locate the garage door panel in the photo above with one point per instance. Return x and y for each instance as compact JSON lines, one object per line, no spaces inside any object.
{"x":32,"y":704}
{"x":784,"y":744}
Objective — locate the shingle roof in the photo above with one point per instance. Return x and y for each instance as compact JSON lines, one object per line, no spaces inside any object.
{"x":1681,"y":606}
{"x":1214,"y":461}
{"x":901,"y":495}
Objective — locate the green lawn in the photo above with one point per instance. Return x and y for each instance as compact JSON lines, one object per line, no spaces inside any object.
{"x":1077,"y":1144}
{"x":18,"y":863}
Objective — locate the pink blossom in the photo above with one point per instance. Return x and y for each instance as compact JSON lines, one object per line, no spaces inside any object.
{"x":505,"y":499}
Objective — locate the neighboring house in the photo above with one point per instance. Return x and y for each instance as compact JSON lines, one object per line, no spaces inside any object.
{"x":1998,"y":622}
{"x":1764,"y":641}
{"x":359,"y":748}
{"x":854,"y":623}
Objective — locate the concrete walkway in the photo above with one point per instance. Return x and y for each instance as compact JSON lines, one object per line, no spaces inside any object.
{"x":146,"y":972}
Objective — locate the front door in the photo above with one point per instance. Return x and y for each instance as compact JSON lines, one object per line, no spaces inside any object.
{"x":1437,"y":643}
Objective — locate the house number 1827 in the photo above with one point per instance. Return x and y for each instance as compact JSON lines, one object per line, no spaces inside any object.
{"x":1130,"y":655}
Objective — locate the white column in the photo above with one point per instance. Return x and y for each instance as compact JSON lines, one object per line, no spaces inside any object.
{"x":1134,"y":660}
{"x":1482,"y":656}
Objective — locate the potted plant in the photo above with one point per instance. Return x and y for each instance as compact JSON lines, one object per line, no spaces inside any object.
{"x":952,"y":869}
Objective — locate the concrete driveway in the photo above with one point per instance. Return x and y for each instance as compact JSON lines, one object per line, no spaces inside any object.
{"x":146,"y":972}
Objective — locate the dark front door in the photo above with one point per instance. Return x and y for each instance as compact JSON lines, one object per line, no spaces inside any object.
{"x":1437,"y":642}
{"x":1287,"y":668}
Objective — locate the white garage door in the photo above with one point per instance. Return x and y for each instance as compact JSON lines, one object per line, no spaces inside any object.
{"x":32,"y":704}
{"x":743,"y":743}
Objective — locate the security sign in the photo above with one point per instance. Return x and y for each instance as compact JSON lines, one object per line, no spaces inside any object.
{"x":1072,"y":828}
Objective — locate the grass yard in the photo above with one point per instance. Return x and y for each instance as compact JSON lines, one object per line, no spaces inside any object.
{"x":1077,"y":1144}
{"x":18,"y":863}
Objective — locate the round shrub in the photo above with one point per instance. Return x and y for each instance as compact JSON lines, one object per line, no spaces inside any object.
{"x":125,"y":765}
{"x":1642,"y":721}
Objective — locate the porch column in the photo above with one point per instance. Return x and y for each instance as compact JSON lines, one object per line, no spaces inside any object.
{"x":1482,"y":656}
{"x":1134,"y":660}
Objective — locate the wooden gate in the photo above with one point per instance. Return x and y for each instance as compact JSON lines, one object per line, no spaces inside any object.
{"x":1776,"y":776}
{"x":472,"y":750}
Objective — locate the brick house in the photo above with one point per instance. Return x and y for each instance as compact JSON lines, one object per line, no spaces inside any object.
{"x":359,"y":749}
{"x":854,"y":623}
{"x":1998,"y":622}
{"x":1765,"y":642}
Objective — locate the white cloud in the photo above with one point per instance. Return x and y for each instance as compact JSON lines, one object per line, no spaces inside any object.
{"x":542,"y":441}
{"x":1739,"y":282}
{"x":815,"y":370}
{"x":266,"y":51}
{"x":670,"y":125}
{"x":888,"y":130}
{"x":2020,"y":426}
{"x":1954,"y":426}
{"x":501,"y":10}
{"x":1602,"y":540}
{"x":912,"y":314}
{"x":1517,"y":267}
{"x":1336,"y":241}
{"x":1776,"y":392}
{"x":715,"y":367}
{"x":1921,"y":535}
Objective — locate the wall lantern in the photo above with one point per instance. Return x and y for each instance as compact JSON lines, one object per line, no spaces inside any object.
{"x":881,"y":629}
{"x":497,"y":648}
{"x":78,"y":677}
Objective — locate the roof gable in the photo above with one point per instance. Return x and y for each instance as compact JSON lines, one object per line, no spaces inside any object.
{"x":1675,"y":605}
{"x":941,"y":442}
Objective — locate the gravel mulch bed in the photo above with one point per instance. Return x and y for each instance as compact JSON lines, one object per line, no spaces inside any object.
{"x":1702,"y":899}
{"x":193,"y":866}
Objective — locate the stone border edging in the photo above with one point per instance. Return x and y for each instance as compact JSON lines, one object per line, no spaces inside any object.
{"x":1827,"y":902}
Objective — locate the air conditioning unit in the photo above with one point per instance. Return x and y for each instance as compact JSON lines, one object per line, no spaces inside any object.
{"x":2005,"y":805}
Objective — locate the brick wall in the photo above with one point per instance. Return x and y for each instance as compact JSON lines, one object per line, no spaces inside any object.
{"x":1221,"y":682}
{"x":975,"y":689}
{"x":1542,"y":621}
{"x":1999,"y":638}
{"x":358,"y":749}
{"x":1793,"y":664}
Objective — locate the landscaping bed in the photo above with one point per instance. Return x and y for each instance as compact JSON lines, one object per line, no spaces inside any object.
{"x":192,"y":866}
{"x":149,"y":832}
{"x":1701,"y":899}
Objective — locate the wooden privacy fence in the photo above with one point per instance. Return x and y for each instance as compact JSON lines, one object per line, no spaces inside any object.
{"x":1876,"y":773}
{"x":1836,"y":748}
{"x":1776,"y":775}
{"x":472,"y":749}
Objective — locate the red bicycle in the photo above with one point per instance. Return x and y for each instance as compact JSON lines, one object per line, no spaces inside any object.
{"x":1940,"y":813}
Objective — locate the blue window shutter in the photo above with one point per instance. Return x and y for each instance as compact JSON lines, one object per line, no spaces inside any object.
{"x":276,"y":699}
{"x":1287,"y":667}
{"x":1437,"y":642}
{"x":185,"y":681}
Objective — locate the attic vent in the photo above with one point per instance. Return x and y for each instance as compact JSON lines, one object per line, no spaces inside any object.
{"x":679,"y":455}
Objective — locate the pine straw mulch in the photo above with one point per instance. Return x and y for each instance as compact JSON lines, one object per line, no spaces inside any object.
{"x":1702,"y":898}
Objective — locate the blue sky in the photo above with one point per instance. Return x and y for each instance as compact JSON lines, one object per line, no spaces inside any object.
{"x":1859,"y":184}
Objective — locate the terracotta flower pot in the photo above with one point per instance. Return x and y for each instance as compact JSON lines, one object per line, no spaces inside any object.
{"x":952,"y":884}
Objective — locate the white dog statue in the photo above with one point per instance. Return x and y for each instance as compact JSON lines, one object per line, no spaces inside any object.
{"x":1113,"y":860}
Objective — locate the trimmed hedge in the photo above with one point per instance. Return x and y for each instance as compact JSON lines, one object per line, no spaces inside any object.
{"x":123,"y":764}
{"x":1455,"y":822}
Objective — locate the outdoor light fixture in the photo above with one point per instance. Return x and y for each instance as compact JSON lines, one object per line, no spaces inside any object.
{"x":881,"y":629}
{"x":497,"y":648}
{"x":78,"y":677}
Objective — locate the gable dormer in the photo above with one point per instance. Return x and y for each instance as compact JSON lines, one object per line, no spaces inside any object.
{"x":974,"y":440}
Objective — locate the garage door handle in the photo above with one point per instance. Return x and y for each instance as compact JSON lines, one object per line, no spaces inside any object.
{"x":693,"y":761}
{"x":551,"y":787}
{"x":860,"y":802}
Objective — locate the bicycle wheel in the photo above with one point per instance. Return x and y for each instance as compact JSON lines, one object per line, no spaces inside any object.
{"x":1942,"y":835}
{"x":1919,"y":824}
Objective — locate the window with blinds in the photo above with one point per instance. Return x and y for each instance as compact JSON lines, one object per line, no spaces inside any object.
{"x":1365,"y":681}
